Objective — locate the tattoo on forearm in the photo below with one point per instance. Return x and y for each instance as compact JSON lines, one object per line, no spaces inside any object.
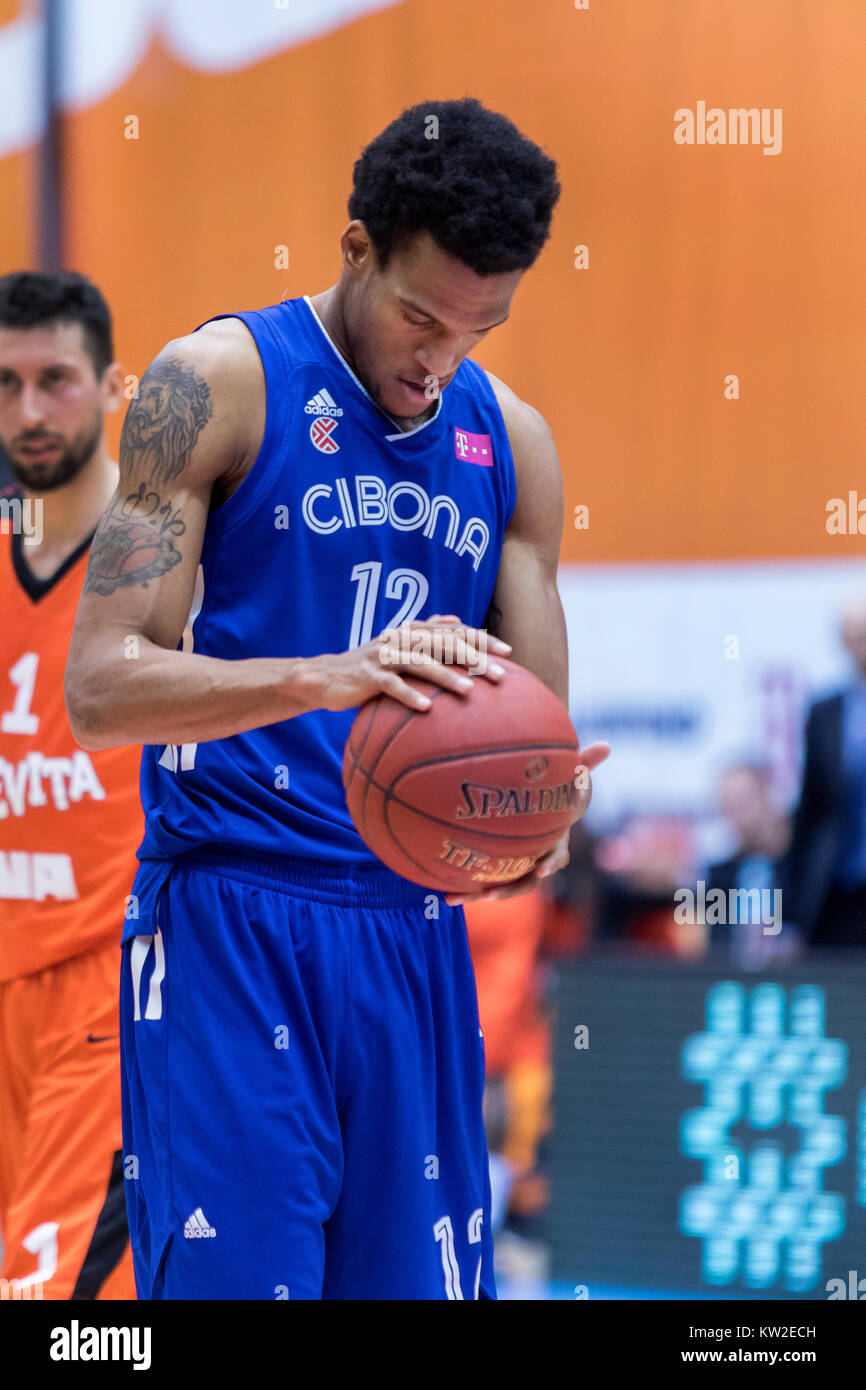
{"x":134,"y":542}
{"x":164,"y":421}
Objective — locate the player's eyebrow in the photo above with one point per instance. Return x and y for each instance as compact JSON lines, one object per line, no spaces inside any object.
{"x":416,"y":308}
{"x":45,"y":367}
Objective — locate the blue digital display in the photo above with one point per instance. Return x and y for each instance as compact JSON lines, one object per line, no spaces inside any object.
{"x":709,"y":1133}
{"x":764,"y":1061}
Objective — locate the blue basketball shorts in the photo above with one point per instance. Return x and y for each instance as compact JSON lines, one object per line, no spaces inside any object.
{"x":302,"y":1078}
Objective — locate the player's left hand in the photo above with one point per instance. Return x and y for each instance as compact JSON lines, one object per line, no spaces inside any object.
{"x":556,"y":858}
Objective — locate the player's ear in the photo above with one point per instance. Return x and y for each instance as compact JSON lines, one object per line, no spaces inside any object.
{"x":112,"y":384}
{"x":356,"y":246}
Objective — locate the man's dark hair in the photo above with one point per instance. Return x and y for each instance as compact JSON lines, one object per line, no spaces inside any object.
{"x":30,"y":298}
{"x":483,"y":191}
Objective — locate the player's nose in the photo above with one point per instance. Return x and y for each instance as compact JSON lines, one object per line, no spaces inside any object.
{"x":31,"y":406}
{"x":442,"y":360}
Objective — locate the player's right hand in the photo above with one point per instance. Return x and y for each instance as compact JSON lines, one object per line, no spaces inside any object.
{"x":377,"y":668}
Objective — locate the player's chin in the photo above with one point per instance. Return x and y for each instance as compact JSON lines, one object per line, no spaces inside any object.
{"x":41,"y":477}
{"x":408,"y":400}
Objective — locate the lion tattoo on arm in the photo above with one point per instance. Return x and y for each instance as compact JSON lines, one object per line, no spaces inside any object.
{"x":165,"y":419}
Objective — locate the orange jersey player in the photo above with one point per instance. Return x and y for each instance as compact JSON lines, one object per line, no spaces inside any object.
{"x":505,"y":938}
{"x":70,"y":821}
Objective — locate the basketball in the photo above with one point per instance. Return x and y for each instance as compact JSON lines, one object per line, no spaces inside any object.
{"x":470,"y":792}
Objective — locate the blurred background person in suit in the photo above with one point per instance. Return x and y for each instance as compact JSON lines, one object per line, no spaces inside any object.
{"x":827,"y":881}
{"x":762,"y":835}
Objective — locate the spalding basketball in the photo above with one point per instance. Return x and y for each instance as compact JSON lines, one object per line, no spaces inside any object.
{"x":470,"y":792}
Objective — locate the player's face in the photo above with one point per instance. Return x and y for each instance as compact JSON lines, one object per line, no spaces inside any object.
{"x":51,"y":403}
{"x":743,"y":801}
{"x":854,"y":634}
{"x":410,"y":325}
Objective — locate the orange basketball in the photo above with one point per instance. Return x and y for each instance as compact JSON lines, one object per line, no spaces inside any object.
{"x":470,"y":792}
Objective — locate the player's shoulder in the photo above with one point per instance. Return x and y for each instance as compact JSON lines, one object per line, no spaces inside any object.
{"x":220,"y":349}
{"x":527,"y":428}
{"x":213,"y":375}
{"x":537,"y":472}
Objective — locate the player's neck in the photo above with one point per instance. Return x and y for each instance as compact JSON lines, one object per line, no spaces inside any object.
{"x":328,"y":307}
{"x":67,"y":516}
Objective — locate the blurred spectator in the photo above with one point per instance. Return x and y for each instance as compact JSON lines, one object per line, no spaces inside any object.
{"x":573,"y":910}
{"x":763,"y":835}
{"x":827,"y":881}
{"x":642,"y":868}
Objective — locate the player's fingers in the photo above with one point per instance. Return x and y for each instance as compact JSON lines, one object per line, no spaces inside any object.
{"x":392,"y":684}
{"x":504,"y":890}
{"x":468,"y":647}
{"x":481,"y":640}
{"x":449,"y":621}
{"x":459,"y":655}
{"x":450,"y":677}
{"x":549,"y":863}
{"x":553,"y":862}
{"x":418,"y":664}
{"x":478,"y":637}
{"x":593,"y":756}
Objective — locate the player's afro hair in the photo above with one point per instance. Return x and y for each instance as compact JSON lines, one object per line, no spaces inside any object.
{"x":466,"y":175}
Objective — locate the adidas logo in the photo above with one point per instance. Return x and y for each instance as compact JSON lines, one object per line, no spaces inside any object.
{"x":322,"y":403}
{"x":196,"y":1226}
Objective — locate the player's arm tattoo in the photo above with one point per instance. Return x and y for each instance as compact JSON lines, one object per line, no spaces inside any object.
{"x":135,"y":542}
{"x":136,"y":538}
{"x":164,"y":420}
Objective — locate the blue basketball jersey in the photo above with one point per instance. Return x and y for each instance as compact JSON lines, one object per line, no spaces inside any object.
{"x":345,"y":526}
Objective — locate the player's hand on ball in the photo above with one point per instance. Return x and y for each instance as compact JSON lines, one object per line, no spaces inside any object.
{"x":439,"y":649}
{"x":556,"y":858}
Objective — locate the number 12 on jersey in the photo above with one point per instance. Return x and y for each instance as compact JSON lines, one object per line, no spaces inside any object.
{"x":410,"y":585}
{"x":444,"y":1233}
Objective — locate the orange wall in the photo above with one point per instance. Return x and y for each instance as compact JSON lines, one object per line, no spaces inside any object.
{"x":703,"y":260}
{"x":18,"y":217}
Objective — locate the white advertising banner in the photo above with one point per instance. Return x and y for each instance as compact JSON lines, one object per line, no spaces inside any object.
{"x":686,"y":668}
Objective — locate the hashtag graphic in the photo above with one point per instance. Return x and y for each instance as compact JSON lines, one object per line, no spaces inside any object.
{"x":764,"y":1062}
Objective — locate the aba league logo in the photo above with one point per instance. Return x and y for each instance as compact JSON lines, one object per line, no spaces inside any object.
{"x":322,"y":435}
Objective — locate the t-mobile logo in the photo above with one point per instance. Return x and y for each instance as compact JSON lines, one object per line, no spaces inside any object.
{"x":474,"y":448}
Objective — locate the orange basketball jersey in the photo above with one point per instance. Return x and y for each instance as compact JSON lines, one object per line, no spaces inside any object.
{"x":70,"y":821}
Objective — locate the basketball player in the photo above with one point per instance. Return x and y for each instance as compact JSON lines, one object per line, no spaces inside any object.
{"x":303,"y":1070}
{"x":68,"y":819}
